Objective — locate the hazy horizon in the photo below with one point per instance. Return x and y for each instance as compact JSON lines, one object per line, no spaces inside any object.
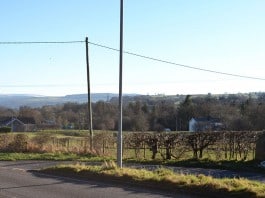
{"x":125,"y":94}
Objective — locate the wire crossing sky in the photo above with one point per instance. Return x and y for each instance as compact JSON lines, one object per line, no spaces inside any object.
{"x":213,"y":47}
{"x":38,"y":42}
{"x":130,"y":53}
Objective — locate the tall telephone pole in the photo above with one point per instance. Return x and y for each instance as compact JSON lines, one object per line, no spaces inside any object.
{"x":119,"y":138}
{"x":89,"y":99}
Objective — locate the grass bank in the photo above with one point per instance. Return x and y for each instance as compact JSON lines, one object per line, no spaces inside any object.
{"x":250,"y":166}
{"x":50,"y":156}
{"x":234,"y":165}
{"x":165,"y":179}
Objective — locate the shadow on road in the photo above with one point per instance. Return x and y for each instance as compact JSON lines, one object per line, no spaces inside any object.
{"x":30,"y":186}
{"x":96,"y":183}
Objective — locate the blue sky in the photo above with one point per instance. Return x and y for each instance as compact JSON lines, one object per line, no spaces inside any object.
{"x":221,"y":35}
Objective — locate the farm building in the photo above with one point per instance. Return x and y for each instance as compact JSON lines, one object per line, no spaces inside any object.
{"x":20,"y":124}
{"x":205,"y":124}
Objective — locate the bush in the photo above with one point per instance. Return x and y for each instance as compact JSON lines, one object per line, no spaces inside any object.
{"x":19,"y":144}
{"x":41,"y":139}
{"x":5,"y":129}
{"x":5,"y":140}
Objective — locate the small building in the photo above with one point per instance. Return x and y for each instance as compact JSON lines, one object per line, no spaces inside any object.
{"x":167,"y":130}
{"x":20,"y":124}
{"x":205,"y":124}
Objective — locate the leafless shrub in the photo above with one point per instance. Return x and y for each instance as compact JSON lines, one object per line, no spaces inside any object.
{"x":135,"y":140}
{"x":41,"y":140}
{"x":19,"y":144}
{"x":5,"y":140}
{"x":199,"y":141}
{"x":103,"y":141}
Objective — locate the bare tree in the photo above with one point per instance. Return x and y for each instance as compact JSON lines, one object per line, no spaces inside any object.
{"x":198,"y":141}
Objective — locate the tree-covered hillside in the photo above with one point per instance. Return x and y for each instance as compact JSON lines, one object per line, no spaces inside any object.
{"x":154,"y":113}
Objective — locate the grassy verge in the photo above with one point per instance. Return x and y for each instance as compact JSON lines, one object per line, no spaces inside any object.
{"x":234,"y":165}
{"x":49,"y":156}
{"x":250,"y":166}
{"x":165,"y":179}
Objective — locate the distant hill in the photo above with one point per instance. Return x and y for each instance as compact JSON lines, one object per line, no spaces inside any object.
{"x":17,"y":100}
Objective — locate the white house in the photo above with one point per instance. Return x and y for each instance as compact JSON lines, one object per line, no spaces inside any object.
{"x":205,"y":124}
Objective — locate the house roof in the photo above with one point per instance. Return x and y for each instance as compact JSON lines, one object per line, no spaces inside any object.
{"x":24,"y":120}
{"x":207,"y":119}
{"x":14,"y":120}
{"x":27,"y":120}
{"x":4,"y":120}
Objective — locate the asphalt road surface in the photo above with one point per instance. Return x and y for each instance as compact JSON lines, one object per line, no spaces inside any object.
{"x":18,"y":182}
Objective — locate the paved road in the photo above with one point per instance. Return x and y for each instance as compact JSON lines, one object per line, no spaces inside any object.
{"x":17,"y":181}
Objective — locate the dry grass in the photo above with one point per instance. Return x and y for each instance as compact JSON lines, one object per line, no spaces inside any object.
{"x":165,"y":179}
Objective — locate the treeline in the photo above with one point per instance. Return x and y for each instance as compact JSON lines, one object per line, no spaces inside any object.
{"x":146,"y":113}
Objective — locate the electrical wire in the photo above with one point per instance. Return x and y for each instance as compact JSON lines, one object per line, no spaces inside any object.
{"x":38,"y":42}
{"x":177,"y":64}
{"x":135,"y":54}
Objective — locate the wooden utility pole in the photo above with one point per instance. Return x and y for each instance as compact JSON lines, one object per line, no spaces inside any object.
{"x":119,"y":138}
{"x":89,"y":100}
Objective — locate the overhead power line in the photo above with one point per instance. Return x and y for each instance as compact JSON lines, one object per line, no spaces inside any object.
{"x":180,"y":65}
{"x":135,"y":54}
{"x":38,"y":42}
{"x":43,"y":85}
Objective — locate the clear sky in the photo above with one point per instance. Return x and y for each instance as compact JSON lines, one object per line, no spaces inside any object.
{"x":220,"y":35}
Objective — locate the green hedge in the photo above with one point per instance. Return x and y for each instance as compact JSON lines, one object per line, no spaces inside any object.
{"x":5,"y":129}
